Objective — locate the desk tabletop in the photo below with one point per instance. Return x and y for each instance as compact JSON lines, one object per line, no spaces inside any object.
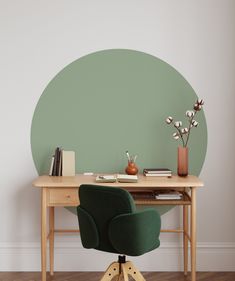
{"x":143,"y":181}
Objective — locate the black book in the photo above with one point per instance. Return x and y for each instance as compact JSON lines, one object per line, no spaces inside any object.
{"x":60,"y":164}
{"x":56,"y":162}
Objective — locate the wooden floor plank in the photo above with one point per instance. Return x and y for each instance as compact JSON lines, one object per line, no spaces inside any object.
{"x":95,"y":276}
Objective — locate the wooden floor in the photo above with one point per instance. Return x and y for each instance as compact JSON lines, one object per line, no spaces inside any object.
{"x":94,"y":276}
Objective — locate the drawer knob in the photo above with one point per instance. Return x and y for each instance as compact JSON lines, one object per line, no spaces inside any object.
{"x":68,"y":196}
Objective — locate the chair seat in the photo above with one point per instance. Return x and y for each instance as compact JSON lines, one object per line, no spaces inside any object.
{"x":136,"y":233}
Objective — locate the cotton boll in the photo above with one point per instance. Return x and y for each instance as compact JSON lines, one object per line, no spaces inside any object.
{"x":184,"y":130}
{"x":189,"y":113}
{"x":178,"y":124}
{"x":169,"y":120}
{"x":197,"y":107}
{"x":176,"y":136}
{"x":195,"y":123}
{"x":200,"y":101}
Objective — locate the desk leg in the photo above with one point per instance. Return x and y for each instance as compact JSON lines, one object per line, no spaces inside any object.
{"x":51,"y":238}
{"x":43,"y":233}
{"x":193,"y":234}
{"x":185,"y":238}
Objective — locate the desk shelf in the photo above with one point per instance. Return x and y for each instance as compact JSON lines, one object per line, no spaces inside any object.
{"x":148,"y":198}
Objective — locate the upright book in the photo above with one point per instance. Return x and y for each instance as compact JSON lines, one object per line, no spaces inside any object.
{"x":52,"y":165}
{"x":68,"y":163}
{"x":55,"y":170}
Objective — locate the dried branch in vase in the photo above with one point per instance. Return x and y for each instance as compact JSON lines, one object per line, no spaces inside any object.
{"x":183,"y":133}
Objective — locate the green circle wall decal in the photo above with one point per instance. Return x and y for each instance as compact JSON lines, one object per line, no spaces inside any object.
{"x":111,"y":101}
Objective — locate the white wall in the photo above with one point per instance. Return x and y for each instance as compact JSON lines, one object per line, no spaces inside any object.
{"x":39,"y":38}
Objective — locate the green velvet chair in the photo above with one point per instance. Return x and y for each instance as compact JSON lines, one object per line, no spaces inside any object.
{"x":109,"y":222}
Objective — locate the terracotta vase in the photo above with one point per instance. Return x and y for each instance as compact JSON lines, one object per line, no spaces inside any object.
{"x":131,"y":168}
{"x":182,"y":166}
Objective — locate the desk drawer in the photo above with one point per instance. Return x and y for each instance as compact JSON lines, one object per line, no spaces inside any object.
{"x":62,"y":197}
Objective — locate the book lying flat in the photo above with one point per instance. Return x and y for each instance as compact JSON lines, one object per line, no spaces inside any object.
{"x":171,"y":195}
{"x":127,"y":178}
{"x":168,"y":198}
{"x":106,"y":178}
{"x":143,"y":195}
{"x":119,"y":178}
{"x":158,"y":175}
{"x":157,"y":171}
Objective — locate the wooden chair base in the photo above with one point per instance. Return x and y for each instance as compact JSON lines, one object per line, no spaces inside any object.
{"x":121,"y":272}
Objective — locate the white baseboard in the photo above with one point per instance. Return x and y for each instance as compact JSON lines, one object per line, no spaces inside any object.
{"x":70,"y":256}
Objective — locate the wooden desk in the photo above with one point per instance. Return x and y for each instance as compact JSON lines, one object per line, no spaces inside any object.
{"x":63,"y":191}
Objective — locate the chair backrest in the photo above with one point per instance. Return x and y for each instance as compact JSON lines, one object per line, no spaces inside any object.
{"x":98,"y":206}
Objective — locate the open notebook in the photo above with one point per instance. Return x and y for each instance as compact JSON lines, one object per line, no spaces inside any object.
{"x":119,"y":178}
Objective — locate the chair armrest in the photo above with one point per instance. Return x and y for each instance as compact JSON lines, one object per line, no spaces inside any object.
{"x":88,"y":230}
{"x":135,"y":233}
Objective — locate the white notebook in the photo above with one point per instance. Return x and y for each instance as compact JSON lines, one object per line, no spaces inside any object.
{"x":68,"y":163}
{"x":127,"y":178}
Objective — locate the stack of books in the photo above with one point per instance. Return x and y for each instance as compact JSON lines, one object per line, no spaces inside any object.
{"x":168,"y":195}
{"x":157,"y":172}
{"x":62,"y":163}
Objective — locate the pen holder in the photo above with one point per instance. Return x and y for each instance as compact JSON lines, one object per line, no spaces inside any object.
{"x":131,"y":168}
